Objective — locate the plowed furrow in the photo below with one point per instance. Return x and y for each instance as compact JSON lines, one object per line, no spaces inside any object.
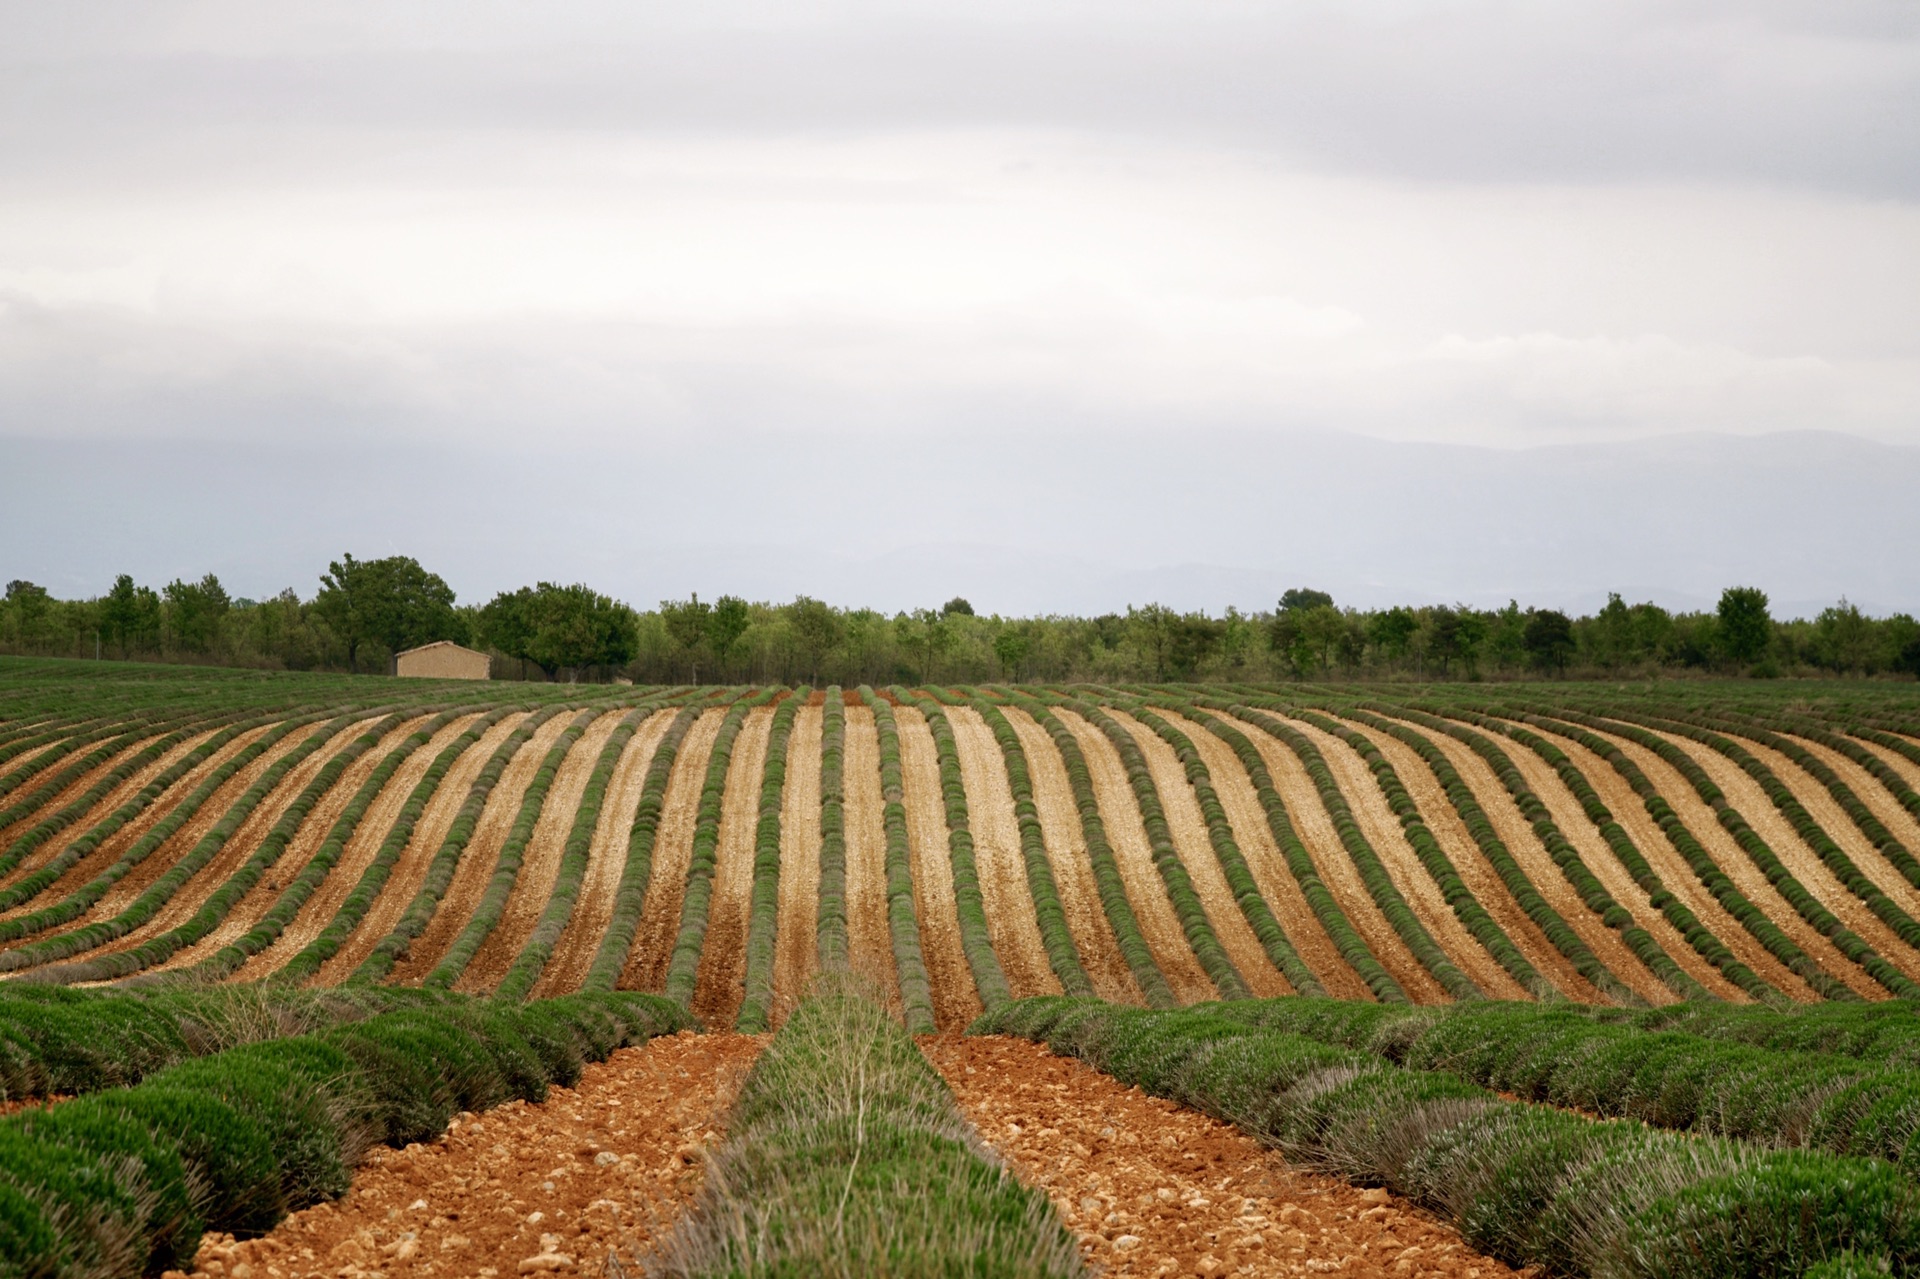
{"x":593,"y":911}
{"x":955,"y":1001}
{"x":1389,"y":842}
{"x":1066,"y":842}
{"x":1250,"y":830}
{"x":1745,"y":794}
{"x":1127,"y":832}
{"x":672,"y":851}
{"x":794,"y":937}
{"x":869,"y":936}
{"x":718,"y":986}
{"x":1700,"y":819}
{"x":540,"y":865}
{"x":1337,"y":871}
{"x":1188,"y":826}
{"x":1630,"y":811}
{"x":358,"y":853}
{"x":470,"y":878}
{"x":305,"y":842}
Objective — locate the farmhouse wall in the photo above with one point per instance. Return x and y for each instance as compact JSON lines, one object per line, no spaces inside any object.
{"x":444,"y":660}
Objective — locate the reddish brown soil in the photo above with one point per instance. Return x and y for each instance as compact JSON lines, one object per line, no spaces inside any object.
{"x":1250,"y":831}
{"x":1699,"y":818}
{"x":795,"y":940}
{"x":541,"y":865}
{"x":672,"y":850}
{"x":1127,"y":834}
{"x":594,"y":1170}
{"x":1628,"y":809}
{"x":29,"y":1103}
{"x":110,"y":849}
{"x":955,"y":1001}
{"x":1188,"y":826}
{"x":1152,"y":1188}
{"x":1066,"y":846}
{"x":719,"y":983}
{"x":1746,"y":795}
{"x":607,"y":861}
{"x":869,"y":936}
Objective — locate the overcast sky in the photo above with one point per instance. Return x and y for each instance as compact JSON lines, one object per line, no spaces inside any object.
{"x":604,"y":229}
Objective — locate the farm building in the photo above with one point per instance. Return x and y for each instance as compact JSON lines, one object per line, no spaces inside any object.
{"x":443,"y":659}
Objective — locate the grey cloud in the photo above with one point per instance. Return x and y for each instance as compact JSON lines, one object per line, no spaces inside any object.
{"x":1825,"y":96}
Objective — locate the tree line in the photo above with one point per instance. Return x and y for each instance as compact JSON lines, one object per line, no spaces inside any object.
{"x":365,"y":612}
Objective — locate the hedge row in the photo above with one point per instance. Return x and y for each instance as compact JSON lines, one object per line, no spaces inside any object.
{"x":1705,"y":868}
{"x":846,"y":1155}
{"x":763,"y":911}
{"x":1664,"y":1077}
{"x":59,"y":1041}
{"x":683,"y":968}
{"x":1107,"y":879}
{"x":1339,"y":929}
{"x":112,"y":735}
{"x":1233,"y":863}
{"x":636,"y":876}
{"x":446,"y":859}
{"x":830,"y":932}
{"x":1380,"y":886}
{"x":575,"y":854}
{"x":327,"y":943}
{"x":1886,"y":1032}
{"x":1760,"y":854}
{"x":1703,"y":940}
{"x":969,"y":907}
{"x":1573,"y":868}
{"x":1527,"y":1184}
{"x":512,"y":855}
{"x":125,"y":1181}
{"x":267,"y":929}
{"x":903,"y":923}
{"x":158,"y":949}
{"x":161,"y":891}
{"x":1195,"y":924}
{"x":30,"y":886}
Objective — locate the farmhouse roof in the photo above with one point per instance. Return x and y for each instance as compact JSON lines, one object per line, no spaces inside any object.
{"x":438,"y":644}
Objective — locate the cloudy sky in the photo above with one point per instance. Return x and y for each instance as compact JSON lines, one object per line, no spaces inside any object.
{"x":896,"y":245}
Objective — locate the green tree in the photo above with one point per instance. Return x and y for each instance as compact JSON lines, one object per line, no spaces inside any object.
{"x":196,"y":614}
{"x":729,"y":620}
{"x":1302,"y":598}
{"x":393,"y":602}
{"x":816,"y":631}
{"x":506,"y":624}
{"x":1846,"y":639}
{"x":1549,"y":639}
{"x":687,"y":624}
{"x":29,"y":613}
{"x":1392,"y":631}
{"x":1010,"y":649}
{"x":958,"y":604}
{"x":130,"y":615}
{"x":571,"y":627}
{"x":1746,"y":627}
